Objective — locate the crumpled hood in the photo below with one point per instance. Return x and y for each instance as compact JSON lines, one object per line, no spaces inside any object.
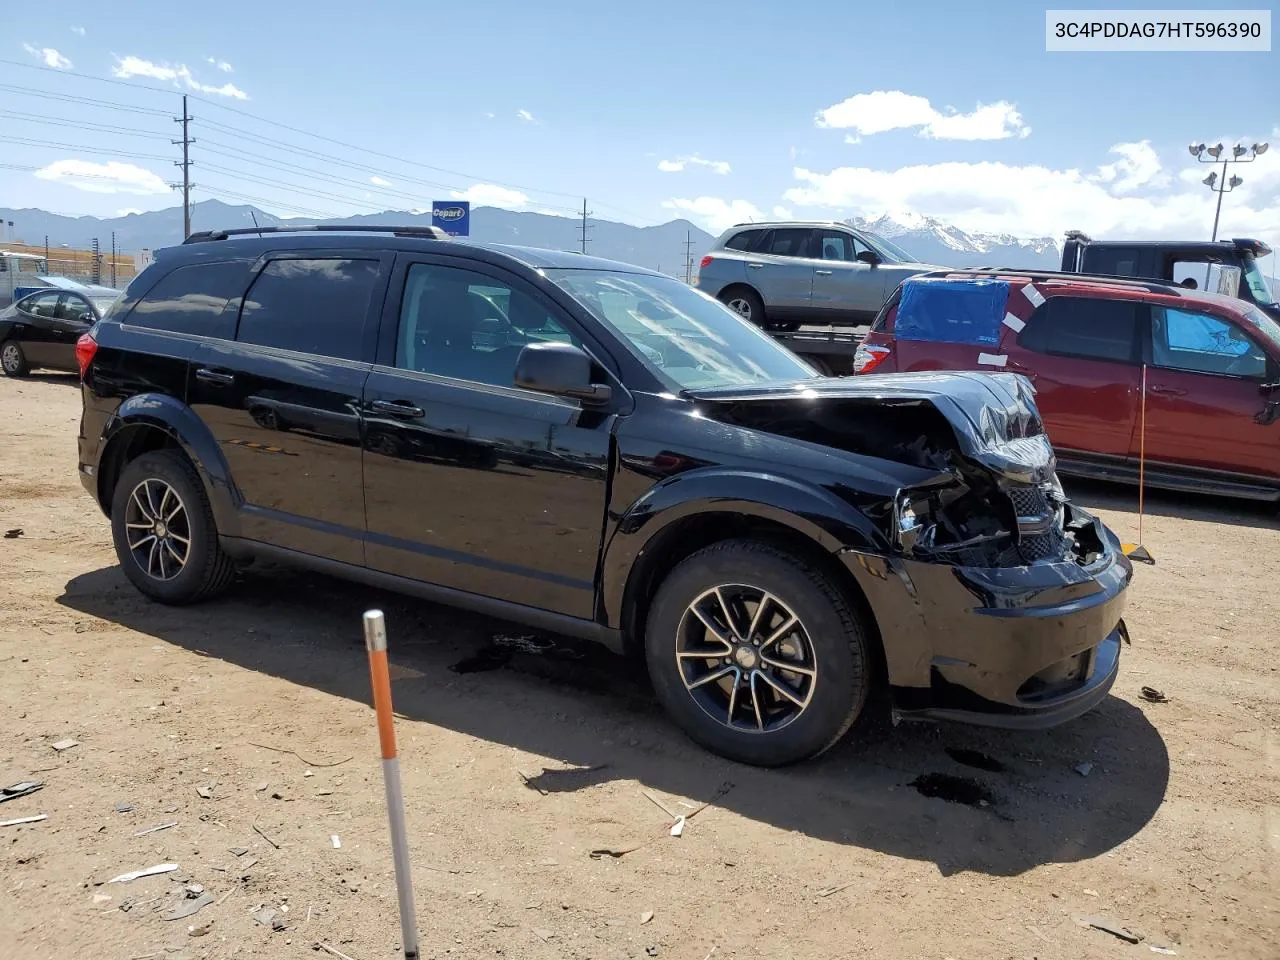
{"x":992,"y":417}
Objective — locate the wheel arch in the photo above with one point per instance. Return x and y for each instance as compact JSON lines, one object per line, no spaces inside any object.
{"x":677,"y":519}
{"x":149,"y":422}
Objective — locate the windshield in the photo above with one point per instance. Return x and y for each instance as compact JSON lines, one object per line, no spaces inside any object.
{"x":1266,"y":326}
{"x":690,"y":340}
{"x":888,"y":250}
{"x":1256,"y":281}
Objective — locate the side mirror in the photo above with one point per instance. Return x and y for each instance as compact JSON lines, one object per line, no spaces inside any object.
{"x":560,"y":369}
{"x":868,"y":256}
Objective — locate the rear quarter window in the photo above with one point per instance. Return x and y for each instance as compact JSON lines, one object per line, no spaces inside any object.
{"x":190,"y":299}
{"x":743,"y":240}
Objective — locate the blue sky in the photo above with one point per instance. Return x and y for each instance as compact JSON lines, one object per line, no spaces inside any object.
{"x":716,"y":111}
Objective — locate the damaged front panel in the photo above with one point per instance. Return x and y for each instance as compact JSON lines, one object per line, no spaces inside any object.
{"x":994,"y":499}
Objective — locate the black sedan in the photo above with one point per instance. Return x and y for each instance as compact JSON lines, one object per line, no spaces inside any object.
{"x":42,"y":328}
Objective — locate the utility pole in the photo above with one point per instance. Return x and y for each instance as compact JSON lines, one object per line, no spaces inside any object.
{"x":46,"y":252}
{"x":113,"y":258}
{"x":688,"y":257}
{"x":585,"y":213}
{"x":185,"y":164}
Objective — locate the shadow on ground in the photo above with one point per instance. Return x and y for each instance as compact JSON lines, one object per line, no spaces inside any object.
{"x":966,"y":799}
{"x":1168,"y":503}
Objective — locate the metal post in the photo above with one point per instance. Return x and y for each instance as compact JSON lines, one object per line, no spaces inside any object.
{"x":1217,"y":213}
{"x":375,"y":640}
{"x":113,"y":258}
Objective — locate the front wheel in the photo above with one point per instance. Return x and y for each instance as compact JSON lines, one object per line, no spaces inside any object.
{"x":12,"y":360}
{"x":164,"y":533}
{"x":757,"y":654}
{"x":746,"y":303}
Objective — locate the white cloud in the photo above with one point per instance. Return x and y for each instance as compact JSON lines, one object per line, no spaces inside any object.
{"x":127,"y":67}
{"x":379,"y":182}
{"x":715,"y":213}
{"x":782,"y":213}
{"x":871,"y":113}
{"x":78,"y":31}
{"x":1036,"y":200}
{"x":492,"y":195}
{"x":128,"y":212}
{"x":489,"y":115}
{"x":718,"y":167}
{"x":50,"y":56}
{"x":526,"y":116}
{"x":1138,"y":166}
{"x":110,"y":177}
{"x":220,"y":64}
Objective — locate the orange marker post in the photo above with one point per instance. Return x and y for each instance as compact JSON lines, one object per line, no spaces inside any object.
{"x":375,"y":639}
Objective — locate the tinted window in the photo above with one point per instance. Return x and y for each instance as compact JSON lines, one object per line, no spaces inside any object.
{"x":42,"y":304}
{"x":742,"y":241}
{"x":310,"y":306}
{"x":1112,"y":262}
{"x":788,"y":243}
{"x":72,"y":307}
{"x":191,"y":298}
{"x":1083,"y":327}
{"x":466,"y":325}
{"x":1185,"y":340}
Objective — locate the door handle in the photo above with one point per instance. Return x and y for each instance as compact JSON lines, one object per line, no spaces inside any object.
{"x":823,"y":273}
{"x":1167,"y":391}
{"x":755,"y":266}
{"x":397,"y":408}
{"x":219,"y":377}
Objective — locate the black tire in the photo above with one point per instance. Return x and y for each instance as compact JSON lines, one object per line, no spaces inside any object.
{"x":207,"y":570}
{"x":12,"y":360}
{"x":746,"y":303}
{"x":833,"y":629}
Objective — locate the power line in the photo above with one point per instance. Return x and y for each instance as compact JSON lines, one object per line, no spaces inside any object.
{"x":82,"y":125}
{"x":26,"y":142}
{"x":87,"y":101}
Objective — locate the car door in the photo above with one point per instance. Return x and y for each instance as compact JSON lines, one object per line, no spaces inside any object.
{"x":38,"y":315}
{"x":1204,"y":395}
{"x":779,"y":268}
{"x":471,"y":483}
{"x":1082,"y":354}
{"x":844,"y":287}
{"x":282,"y":398}
{"x":69,"y":323}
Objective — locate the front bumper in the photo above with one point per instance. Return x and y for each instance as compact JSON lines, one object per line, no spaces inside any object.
{"x":1028,"y":646}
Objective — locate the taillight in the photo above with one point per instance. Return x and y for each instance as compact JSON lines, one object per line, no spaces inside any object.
{"x":868,"y":357}
{"x":706,"y":262}
{"x":86,"y":347}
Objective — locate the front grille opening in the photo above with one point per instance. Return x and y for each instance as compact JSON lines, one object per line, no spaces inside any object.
{"x":1057,"y":679}
{"x":1041,"y":536}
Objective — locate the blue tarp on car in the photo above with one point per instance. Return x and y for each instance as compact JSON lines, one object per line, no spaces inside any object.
{"x":952,"y":311}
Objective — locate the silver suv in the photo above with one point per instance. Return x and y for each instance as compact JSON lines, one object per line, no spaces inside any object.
{"x":779,"y":275}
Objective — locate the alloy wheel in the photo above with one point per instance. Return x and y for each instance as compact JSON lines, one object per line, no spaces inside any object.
{"x":158,"y":529}
{"x":741,"y":306}
{"x":11,"y":358}
{"x":746,"y":658}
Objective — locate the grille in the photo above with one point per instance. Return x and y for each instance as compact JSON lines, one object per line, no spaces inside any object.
{"x":1034,"y":502}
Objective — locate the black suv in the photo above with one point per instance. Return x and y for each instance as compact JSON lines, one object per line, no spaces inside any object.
{"x":598,"y":450}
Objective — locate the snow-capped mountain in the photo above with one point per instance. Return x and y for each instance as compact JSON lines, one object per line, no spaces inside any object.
{"x":933,"y":241}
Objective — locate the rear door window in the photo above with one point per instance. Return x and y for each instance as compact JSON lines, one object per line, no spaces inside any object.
{"x":317,"y":306}
{"x":191,"y":299}
{"x":1112,"y":261}
{"x":790,"y":242}
{"x":43,"y":305}
{"x":1092,"y":329}
{"x":1202,"y":343}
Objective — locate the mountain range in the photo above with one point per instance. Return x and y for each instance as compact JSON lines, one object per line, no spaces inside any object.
{"x":660,"y":247}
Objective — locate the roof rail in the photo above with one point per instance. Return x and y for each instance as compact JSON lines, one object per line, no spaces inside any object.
{"x":433,"y":233}
{"x":1142,"y":283}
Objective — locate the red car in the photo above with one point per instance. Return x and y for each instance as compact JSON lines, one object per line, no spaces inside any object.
{"x":1123,"y":369}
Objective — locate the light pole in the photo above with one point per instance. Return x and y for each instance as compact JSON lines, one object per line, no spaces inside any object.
{"x":1217,"y":154}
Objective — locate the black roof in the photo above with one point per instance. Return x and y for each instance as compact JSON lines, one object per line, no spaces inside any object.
{"x":250,"y":243}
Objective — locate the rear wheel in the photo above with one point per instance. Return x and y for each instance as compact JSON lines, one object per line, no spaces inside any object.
{"x":757,"y":654}
{"x":164,"y":533}
{"x":746,"y":303}
{"x":12,"y":360}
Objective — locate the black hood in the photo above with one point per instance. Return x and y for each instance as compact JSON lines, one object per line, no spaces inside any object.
{"x":920,"y":418}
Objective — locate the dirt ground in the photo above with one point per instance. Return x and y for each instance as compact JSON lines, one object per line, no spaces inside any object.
{"x":181,"y":716}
